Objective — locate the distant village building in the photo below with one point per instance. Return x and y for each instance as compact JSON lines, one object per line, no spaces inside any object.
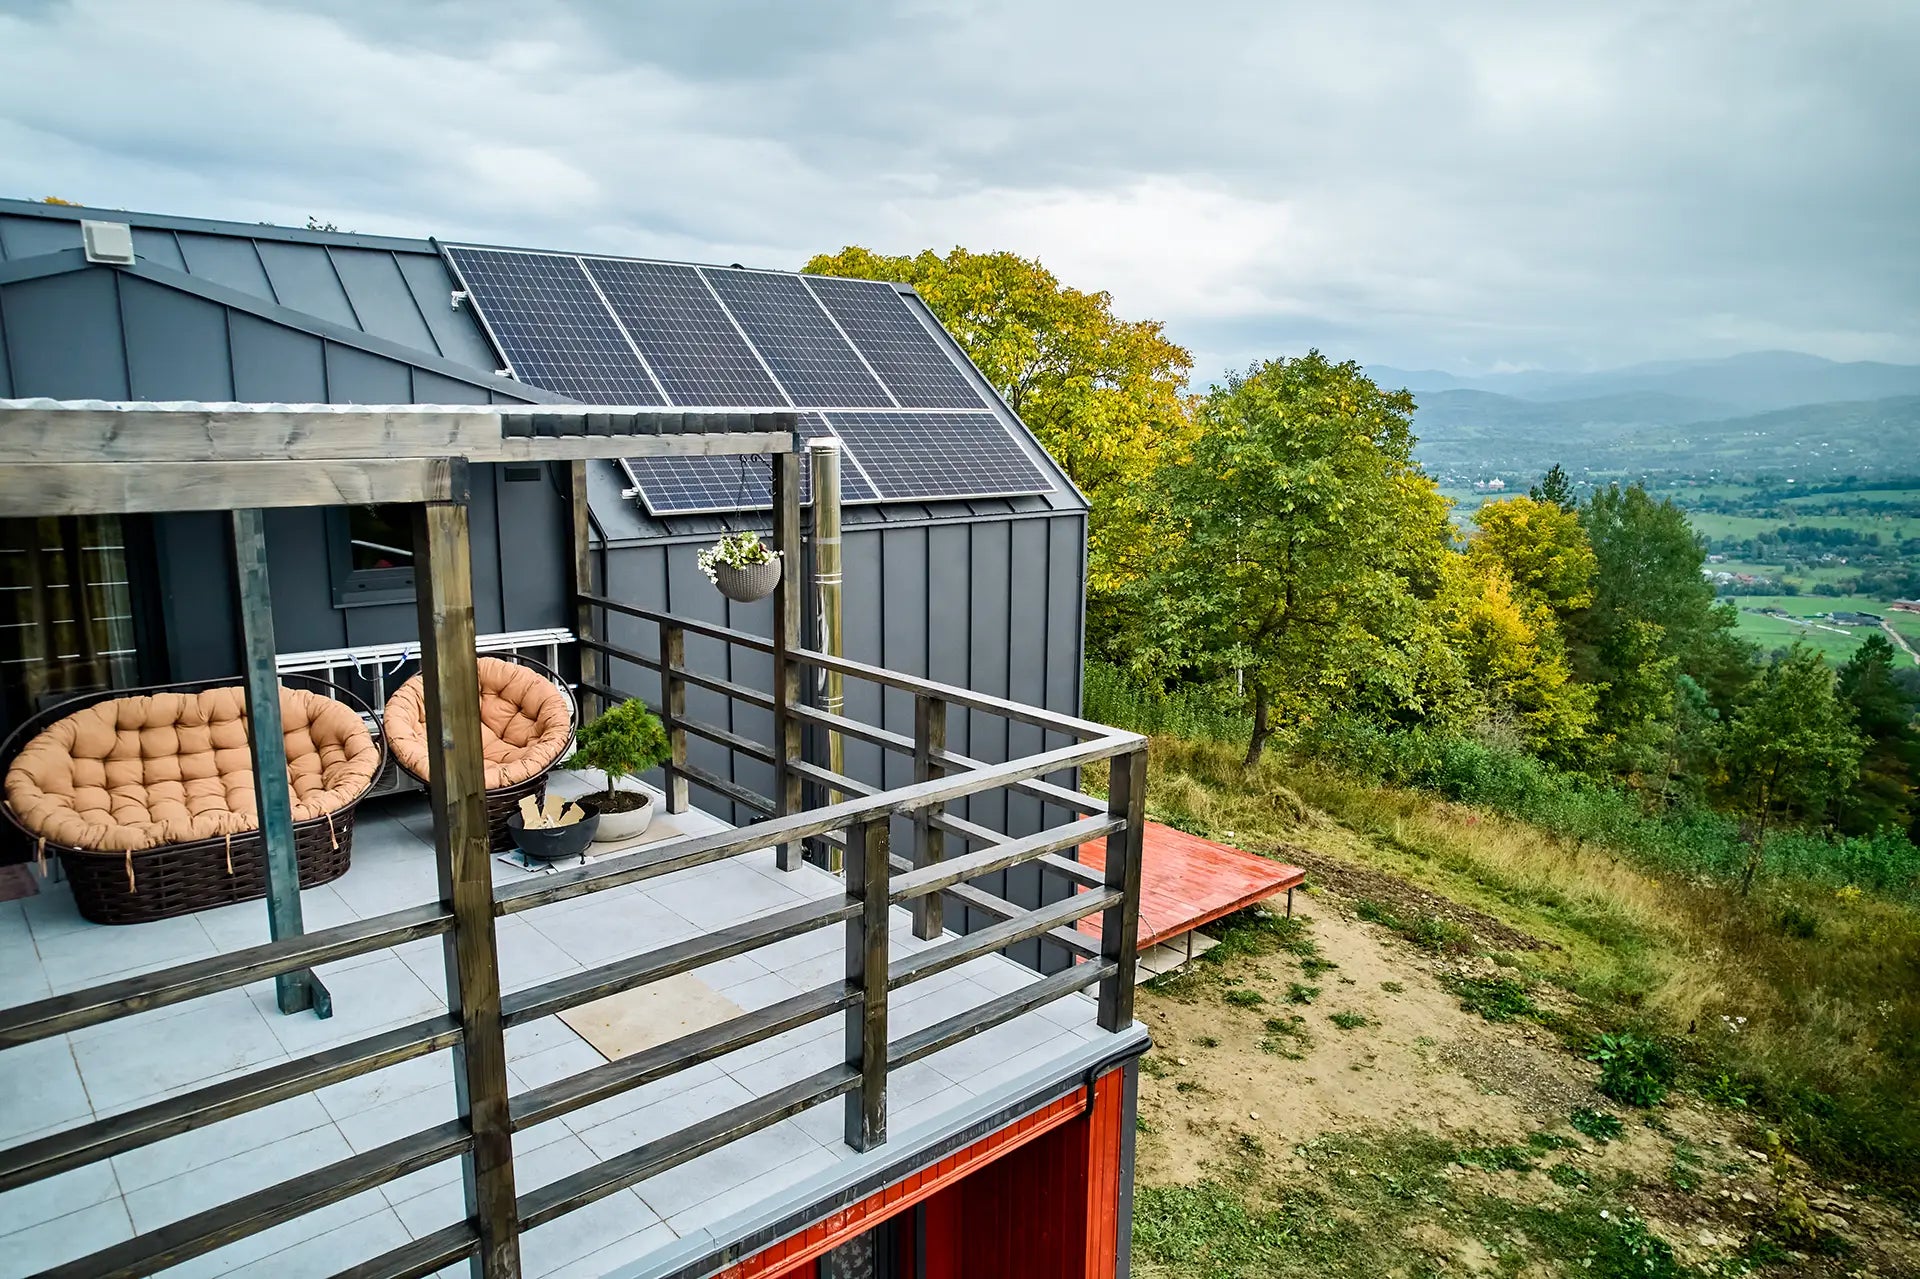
{"x":1489,"y":486}
{"x":1905,"y":606}
{"x":1843,"y":618}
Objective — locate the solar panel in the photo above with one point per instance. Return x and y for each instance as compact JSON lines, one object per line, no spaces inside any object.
{"x":550,"y":325}
{"x":938,"y":455}
{"x":690,"y":343}
{"x":798,"y":340}
{"x":915,"y":367}
{"x":716,"y":485}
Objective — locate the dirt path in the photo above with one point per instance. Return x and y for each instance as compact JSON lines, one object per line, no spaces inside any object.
{"x":1261,"y":1056}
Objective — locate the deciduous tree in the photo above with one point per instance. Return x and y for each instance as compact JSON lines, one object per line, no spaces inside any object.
{"x":1107,"y":397}
{"x":1791,"y":748}
{"x":1883,"y":712}
{"x":1301,"y":539}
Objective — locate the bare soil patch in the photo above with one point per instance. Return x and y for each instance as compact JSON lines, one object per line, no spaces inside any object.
{"x":1250,"y":1067}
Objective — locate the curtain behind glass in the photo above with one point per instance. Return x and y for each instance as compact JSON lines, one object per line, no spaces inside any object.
{"x":66,"y":614}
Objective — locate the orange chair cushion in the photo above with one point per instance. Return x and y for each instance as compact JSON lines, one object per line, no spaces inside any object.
{"x":526,"y":723}
{"x":169,"y":768}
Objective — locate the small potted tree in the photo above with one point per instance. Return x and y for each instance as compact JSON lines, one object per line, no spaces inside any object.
{"x":742,"y":566}
{"x":623,"y":742}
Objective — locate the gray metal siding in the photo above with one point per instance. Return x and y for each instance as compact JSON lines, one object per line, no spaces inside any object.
{"x":100,"y":333}
{"x":992,"y":605}
{"x":399,"y":290}
{"x":63,"y":336}
{"x":176,"y":345}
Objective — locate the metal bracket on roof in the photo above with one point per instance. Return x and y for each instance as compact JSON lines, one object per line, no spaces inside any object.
{"x":459,"y":296}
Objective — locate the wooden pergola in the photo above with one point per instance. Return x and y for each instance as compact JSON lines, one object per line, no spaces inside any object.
{"x":101,"y":459}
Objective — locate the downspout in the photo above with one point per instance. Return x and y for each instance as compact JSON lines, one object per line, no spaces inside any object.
{"x":824,"y":457}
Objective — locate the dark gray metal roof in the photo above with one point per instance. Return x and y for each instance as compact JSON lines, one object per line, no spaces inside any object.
{"x":390,"y":297}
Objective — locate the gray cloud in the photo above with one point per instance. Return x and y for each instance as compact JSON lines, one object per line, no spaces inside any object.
{"x":1472,"y":185}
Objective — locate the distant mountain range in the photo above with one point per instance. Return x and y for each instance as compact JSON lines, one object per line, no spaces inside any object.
{"x":1752,"y":383}
{"x":1775,"y":412}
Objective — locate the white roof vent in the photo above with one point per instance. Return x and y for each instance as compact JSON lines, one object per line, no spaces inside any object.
{"x":109,"y":242}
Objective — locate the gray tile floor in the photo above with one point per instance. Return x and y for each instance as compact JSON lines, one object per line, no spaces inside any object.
{"x":45,"y":948}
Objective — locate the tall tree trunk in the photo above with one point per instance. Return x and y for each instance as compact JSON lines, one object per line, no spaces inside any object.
{"x":1261,"y":729}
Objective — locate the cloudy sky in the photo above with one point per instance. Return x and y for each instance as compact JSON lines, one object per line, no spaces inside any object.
{"x":1462,"y":185}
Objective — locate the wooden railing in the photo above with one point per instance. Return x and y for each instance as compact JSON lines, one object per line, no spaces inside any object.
{"x":875,"y":878}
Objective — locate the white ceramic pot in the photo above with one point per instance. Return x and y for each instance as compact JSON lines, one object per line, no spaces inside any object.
{"x":618,"y":827}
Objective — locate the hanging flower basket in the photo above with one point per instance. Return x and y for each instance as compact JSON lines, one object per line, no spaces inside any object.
{"x":744,"y":568}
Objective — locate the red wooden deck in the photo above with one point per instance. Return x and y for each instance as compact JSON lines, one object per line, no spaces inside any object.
{"x":1186,"y":881}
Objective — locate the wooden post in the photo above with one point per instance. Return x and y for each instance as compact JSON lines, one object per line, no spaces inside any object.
{"x":443,"y":584}
{"x":580,"y":582}
{"x":673,"y":704}
{"x":786,"y":637}
{"x":869,"y":882}
{"x":1120,"y":923}
{"x":273,"y":799}
{"x":930,"y":843}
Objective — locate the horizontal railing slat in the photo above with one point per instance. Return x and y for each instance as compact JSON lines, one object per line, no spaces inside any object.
{"x":1069,"y":724}
{"x":721,"y":786}
{"x":699,"y":850}
{"x":62,"y":1013}
{"x":677,"y":957}
{"x":722,"y":737}
{"x":1040,"y":789}
{"x":996,"y":937}
{"x":692,"y":626}
{"x":135,"y":1128}
{"x":216,"y":1227}
{"x":974,"y":898}
{"x":424,"y":1256}
{"x":739,"y":692}
{"x":564,"y":1096}
{"x":983,"y":1017}
{"x":1084,"y":875}
{"x":537,"y":1207}
{"x":928,"y":879}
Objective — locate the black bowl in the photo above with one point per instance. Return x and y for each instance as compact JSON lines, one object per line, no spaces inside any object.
{"x":556,"y":843}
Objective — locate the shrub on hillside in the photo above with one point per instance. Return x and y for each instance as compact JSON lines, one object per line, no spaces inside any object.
{"x":1634,"y":1069}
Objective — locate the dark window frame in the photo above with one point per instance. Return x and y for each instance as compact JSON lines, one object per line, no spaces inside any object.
{"x":360,"y":587}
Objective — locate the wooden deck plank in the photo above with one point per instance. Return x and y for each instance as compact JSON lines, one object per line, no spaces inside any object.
{"x":1188,"y":882}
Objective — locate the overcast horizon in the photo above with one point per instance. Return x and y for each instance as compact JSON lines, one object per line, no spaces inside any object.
{"x":1494,"y":187}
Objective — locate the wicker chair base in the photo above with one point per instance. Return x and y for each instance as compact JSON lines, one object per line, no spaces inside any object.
{"x":504,"y":803}
{"x":183,"y":878}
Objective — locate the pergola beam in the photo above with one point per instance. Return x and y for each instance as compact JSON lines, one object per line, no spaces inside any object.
{"x":132,"y":487}
{"x":44,"y":431}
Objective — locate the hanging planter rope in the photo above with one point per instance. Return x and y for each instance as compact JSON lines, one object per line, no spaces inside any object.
{"x":744,"y":568}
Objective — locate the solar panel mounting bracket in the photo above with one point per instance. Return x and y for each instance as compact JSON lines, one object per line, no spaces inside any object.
{"x":459,"y":296}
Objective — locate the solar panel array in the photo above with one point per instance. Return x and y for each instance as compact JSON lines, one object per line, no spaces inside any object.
{"x":713,"y":485}
{"x":912,"y":422}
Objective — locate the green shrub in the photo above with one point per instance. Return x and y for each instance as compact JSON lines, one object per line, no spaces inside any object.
{"x":1243,"y":998}
{"x":1210,"y":713}
{"x":1795,"y":922}
{"x":1299,"y":993}
{"x":1494,"y":998}
{"x":1686,"y":839}
{"x":1348,"y":1020}
{"x":1508,"y":1158}
{"x":1634,"y":1069}
{"x":623,"y":741}
{"x":1596,"y":1125}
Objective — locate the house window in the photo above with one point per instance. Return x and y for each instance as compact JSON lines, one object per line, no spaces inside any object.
{"x":371,"y":548}
{"x":66,"y":611}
